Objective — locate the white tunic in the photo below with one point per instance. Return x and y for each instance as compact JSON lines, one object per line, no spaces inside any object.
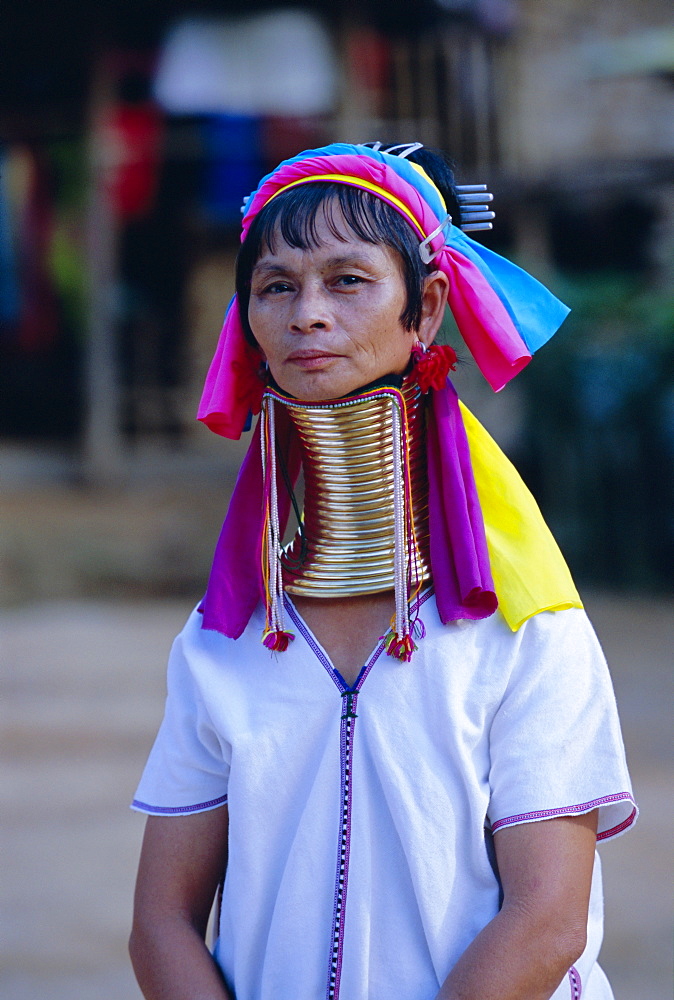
{"x":360,"y":856}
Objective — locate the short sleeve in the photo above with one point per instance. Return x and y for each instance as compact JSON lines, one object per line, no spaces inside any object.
{"x":188,"y":767}
{"x":555,"y":743}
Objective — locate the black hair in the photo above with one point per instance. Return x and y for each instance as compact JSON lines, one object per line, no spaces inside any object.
{"x":292,"y":216}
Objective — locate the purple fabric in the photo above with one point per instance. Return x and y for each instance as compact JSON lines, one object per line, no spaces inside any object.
{"x":235,"y":584}
{"x":459,"y":555}
{"x":233,"y":389}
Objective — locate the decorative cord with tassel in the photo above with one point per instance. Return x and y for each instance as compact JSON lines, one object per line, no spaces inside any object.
{"x":275,"y":637}
{"x":398,"y":641}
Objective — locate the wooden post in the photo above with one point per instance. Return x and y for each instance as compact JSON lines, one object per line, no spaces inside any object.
{"x":102,"y":442}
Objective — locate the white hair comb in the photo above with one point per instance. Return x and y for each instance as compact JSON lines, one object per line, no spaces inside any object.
{"x":474,"y":200}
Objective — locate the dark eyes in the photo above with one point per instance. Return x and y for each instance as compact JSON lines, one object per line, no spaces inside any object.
{"x":349,"y":279}
{"x":278,"y":287}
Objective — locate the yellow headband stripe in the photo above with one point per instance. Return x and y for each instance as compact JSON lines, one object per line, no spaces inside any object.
{"x":356,"y":182}
{"x":420,"y":170}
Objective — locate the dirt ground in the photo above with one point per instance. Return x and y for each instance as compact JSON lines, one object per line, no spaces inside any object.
{"x":83,"y":694}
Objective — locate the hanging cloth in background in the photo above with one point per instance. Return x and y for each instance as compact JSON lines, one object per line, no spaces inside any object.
{"x":9,"y":265}
{"x":28,"y":304}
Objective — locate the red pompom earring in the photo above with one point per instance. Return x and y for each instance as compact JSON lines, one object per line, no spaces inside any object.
{"x":432,"y":365}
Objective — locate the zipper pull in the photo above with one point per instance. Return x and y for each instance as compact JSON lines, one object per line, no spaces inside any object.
{"x":350,"y":695}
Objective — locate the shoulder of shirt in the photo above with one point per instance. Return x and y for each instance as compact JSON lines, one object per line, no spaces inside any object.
{"x":564,"y":619}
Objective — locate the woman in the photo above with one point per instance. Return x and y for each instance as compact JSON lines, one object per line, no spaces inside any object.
{"x":395,"y":740}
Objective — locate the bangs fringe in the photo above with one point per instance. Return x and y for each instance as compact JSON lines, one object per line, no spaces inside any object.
{"x":294,"y":216}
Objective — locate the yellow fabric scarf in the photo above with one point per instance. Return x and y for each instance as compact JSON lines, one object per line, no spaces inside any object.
{"x":530,"y":573}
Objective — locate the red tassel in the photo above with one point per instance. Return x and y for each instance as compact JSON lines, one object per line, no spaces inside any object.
{"x":278,"y":642}
{"x":400,"y":647}
{"x":432,"y":368}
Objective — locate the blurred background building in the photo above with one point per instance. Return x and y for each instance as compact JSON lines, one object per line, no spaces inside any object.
{"x":130,"y":132}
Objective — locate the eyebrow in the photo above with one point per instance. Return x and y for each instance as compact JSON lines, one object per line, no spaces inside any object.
{"x":271,"y":268}
{"x":342,"y":260}
{"x":349,"y":260}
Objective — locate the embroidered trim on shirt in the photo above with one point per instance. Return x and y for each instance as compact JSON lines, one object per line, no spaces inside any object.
{"x":581,"y":807}
{"x":620,"y":828}
{"x":170,"y":810}
{"x":311,"y":642}
{"x":575,"y":983}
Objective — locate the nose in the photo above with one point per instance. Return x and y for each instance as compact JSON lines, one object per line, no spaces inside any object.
{"x":311,"y":312}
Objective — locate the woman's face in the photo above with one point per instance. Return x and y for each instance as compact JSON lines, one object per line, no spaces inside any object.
{"x":328,"y":319}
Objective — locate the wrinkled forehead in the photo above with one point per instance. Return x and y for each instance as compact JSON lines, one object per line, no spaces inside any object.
{"x":344,"y":253}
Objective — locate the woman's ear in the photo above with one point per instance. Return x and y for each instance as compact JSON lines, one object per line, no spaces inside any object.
{"x":434,"y":300}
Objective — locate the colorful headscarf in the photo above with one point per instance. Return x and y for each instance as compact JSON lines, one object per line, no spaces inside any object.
{"x":503,"y":314}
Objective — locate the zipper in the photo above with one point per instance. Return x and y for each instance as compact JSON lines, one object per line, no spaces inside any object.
{"x":348,"y":725}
